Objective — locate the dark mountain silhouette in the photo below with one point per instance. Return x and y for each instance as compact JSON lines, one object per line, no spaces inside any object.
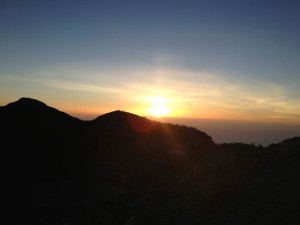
{"x":41,"y":141}
{"x":37,"y":140}
{"x":57,"y":169}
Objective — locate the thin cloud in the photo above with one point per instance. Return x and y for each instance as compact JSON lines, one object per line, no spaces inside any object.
{"x":82,"y":87}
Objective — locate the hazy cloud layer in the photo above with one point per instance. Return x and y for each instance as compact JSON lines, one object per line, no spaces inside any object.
{"x":191,"y":93}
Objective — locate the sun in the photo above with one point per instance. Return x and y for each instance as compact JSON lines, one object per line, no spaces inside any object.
{"x":159,"y":107}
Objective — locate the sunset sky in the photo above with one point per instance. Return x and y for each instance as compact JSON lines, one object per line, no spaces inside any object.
{"x":226,"y":60}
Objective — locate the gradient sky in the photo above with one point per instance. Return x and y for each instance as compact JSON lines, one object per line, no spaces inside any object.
{"x":232,"y":60}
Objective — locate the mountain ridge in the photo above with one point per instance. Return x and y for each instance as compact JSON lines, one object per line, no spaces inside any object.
{"x":48,"y":138}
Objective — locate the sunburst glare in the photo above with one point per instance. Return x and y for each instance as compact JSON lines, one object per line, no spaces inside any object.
{"x":158,"y":107}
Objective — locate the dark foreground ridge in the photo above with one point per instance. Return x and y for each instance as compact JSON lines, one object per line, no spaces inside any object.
{"x":125,"y":169}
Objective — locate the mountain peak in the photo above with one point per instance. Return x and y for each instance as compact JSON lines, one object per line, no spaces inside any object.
{"x":123,"y":119}
{"x":29,"y":110}
{"x":25,"y":100}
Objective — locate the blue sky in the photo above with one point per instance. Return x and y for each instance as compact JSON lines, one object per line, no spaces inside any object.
{"x":235,"y":60}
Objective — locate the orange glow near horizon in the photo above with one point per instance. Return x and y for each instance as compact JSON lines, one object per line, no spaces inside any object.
{"x":158,"y":93}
